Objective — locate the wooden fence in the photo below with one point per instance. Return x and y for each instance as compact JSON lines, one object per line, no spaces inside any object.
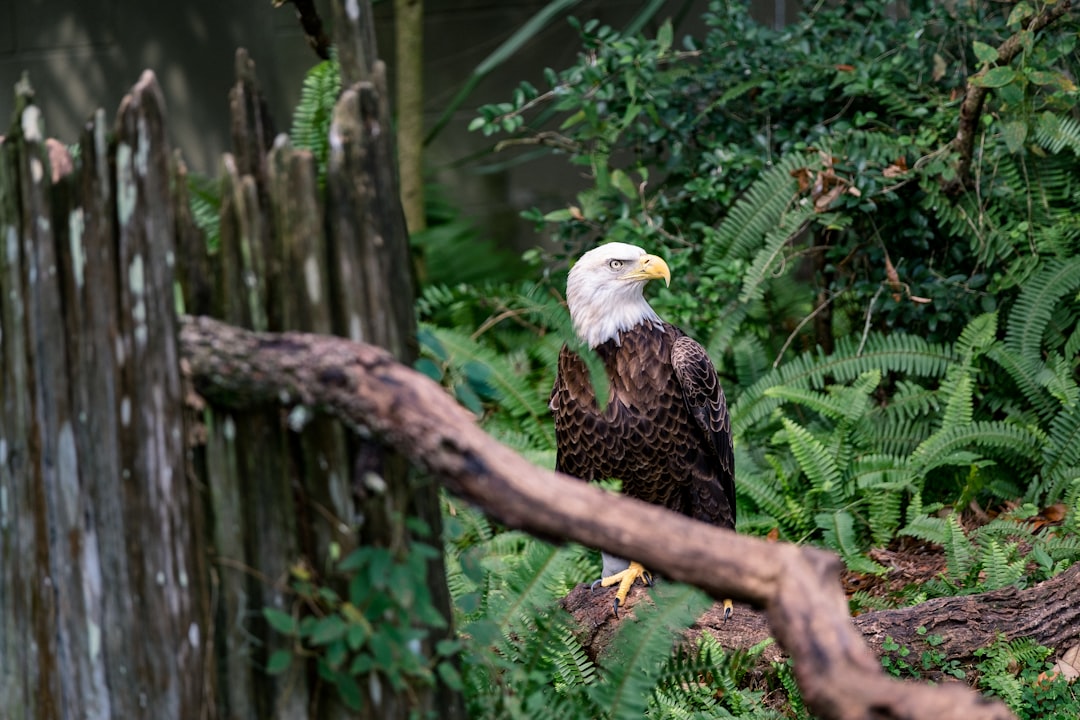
{"x":142,"y":532}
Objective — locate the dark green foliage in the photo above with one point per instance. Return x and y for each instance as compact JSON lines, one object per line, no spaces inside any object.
{"x":892,"y":351}
{"x":1015,"y":672}
{"x":368,"y":616}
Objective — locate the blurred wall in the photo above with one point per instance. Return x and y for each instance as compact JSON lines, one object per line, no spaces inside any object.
{"x":85,"y":54}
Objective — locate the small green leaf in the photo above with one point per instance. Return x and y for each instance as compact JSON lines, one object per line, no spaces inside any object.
{"x":427,"y":366}
{"x":573,"y":120}
{"x":446,"y":647}
{"x":1015,"y":132}
{"x":279,"y":662}
{"x":350,"y":692}
{"x":281,"y":621}
{"x":558,"y":215}
{"x":995,"y":77}
{"x":664,"y":36}
{"x":449,"y":675}
{"x":984,"y":53}
{"x":361,"y":664}
{"x":623,"y":184}
{"x":382,"y":651}
{"x":356,"y":636}
{"x":329,"y":629}
{"x":1020,"y":12}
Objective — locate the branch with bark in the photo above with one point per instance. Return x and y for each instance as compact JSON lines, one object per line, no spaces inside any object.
{"x":958,"y":626}
{"x":975,"y":95}
{"x":311,"y":23}
{"x":796,"y":587}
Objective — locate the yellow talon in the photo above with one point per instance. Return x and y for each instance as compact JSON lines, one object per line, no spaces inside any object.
{"x":727,"y":609}
{"x":626,"y":579}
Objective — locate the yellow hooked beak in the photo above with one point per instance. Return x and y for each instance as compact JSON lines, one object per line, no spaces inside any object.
{"x":650,"y":267}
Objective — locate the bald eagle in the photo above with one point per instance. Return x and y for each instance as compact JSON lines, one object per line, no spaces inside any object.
{"x":665,"y":431}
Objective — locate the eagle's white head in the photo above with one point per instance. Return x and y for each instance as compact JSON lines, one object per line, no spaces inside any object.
{"x":604,"y":291}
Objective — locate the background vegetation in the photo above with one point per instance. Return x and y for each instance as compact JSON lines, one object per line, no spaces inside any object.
{"x":897,"y":333}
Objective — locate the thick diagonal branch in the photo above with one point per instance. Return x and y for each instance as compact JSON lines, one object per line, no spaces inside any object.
{"x":797,"y":587}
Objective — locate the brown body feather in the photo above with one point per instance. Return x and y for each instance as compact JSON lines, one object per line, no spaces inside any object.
{"x":665,"y":433}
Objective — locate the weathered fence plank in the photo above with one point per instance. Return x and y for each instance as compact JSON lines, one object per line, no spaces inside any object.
{"x":158,"y":511}
{"x":142,"y":532}
{"x":100,"y":565}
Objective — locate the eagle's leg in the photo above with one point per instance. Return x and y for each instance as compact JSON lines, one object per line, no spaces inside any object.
{"x":625,"y":580}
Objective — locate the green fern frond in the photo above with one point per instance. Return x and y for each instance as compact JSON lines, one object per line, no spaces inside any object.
{"x":838,"y":530}
{"x":750,"y":358}
{"x":976,"y":337}
{"x":758,"y":486}
{"x":1031,"y":313}
{"x":785,"y":673}
{"x":204,"y":199}
{"x":791,"y":224}
{"x":1056,"y":132}
{"x":1062,"y":449}
{"x":815,"y":461}
{"x":927,"y":528}
{"x":841,"y":403}
{"x":315,"y":110}
{"x":1016,"y":444}
{"x":640,"y":648}
{"x":1002,"y":566}
{"x":757,"y":212}
{"x":1027,"y":376}
{"x":885,"y":514}
{"x":958,"y":389}
{"x":572,"y":664}
{"x":960,"y":553}
{"x":906,"y":354}
{"x":486,"y":367}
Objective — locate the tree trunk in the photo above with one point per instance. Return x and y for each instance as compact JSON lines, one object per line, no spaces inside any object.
{"x":409,"y":59}
{"x":1048,"y":613}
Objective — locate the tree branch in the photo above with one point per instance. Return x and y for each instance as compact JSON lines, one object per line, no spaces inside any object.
{"x":314,"y":30}
{"x":797,"y":587}
{"x":975,"y":95}
{"x":958,"y":626}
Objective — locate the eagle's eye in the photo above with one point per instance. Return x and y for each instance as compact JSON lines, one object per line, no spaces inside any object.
{"x":614,"y":264}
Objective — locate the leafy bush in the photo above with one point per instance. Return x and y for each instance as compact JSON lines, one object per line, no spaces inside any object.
{"x":897,"y":331}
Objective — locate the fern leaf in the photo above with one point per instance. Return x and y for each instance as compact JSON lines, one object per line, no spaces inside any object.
{"x":815,"y":461}
{"x":838,"y":530}
{"x":1062,"y":449}
{"x":493,"y":369}
{"x":757,"y":212}
{"x":1028,"y":318}
{"x":1016,"y":444}
{"x":1000,"y":566}
{"x":790,"y":226}
{"x":1057,"y":132}
{"x":640,"y":648}
{"x":929,"y":529}
{"x":905,"y":354}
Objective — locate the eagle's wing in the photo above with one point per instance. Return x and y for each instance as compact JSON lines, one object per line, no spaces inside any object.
{"x":713,"y":491}
{"x":571,"y":397}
